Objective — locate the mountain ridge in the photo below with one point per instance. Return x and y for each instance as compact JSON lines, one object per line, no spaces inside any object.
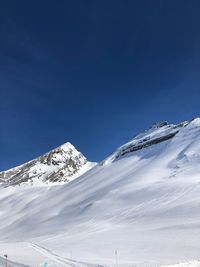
{"x":144,"y":204}
{"x":61,"y":164}
{"x":157,"y":133}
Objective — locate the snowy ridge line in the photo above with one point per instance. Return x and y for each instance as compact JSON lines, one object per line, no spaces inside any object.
{"x":62,"y":164}
{"x":145,"y":205}
{"x":148,"y":143}
{"x":159,"y":132}
{"x":68,"y":144}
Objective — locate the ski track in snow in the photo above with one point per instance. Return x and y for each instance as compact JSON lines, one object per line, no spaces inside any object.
{"x":143,"y":204}
{"x":58,"y":261}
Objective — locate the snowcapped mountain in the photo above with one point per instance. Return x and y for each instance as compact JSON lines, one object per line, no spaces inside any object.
{"x":138,"y":207}
{"x":158,"y":133}
{"x":62,"y":164}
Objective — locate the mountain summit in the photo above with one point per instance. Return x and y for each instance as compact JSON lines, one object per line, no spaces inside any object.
{"x":158,"y":133}
{"x":62,"y":164}
{"x":141,"y":204}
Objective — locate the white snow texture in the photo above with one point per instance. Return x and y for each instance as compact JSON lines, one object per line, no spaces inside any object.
{"x":138,"y":207}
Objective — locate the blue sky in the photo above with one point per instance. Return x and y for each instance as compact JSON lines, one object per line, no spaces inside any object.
{"x":94,"y":73}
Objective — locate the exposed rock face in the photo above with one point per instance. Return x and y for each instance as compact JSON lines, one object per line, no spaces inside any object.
{"x":59,"y":165}
{"x":159,"y":132}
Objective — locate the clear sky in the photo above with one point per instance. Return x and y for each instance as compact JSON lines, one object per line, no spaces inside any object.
{"x":94,"y":73}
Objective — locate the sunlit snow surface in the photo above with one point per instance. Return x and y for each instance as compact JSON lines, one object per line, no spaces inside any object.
{"x":140,"y":209}
{"x":186,"y":264}
{"x":60,"y":165}
{"x":10,"y":263}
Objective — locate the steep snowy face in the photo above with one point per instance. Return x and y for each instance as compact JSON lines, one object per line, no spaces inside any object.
{"x":59,"y":165}
{"x":158,"y":133}
{"x":143,"y":202}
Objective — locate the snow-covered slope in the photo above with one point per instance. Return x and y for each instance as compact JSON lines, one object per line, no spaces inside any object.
{"x":10,"y":263}
{"x":186,"y":264}
{"x":62,"y":164}
{"x":158,"y":133}
{"x":140,"y":206}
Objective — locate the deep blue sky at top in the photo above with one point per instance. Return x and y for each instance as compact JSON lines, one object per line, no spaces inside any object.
{"x":94,"y":73}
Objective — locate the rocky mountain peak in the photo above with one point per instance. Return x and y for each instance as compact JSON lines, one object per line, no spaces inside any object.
{"x":160,"y":124}
{"x":159,"y":132}
{"x":61,"y":164}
